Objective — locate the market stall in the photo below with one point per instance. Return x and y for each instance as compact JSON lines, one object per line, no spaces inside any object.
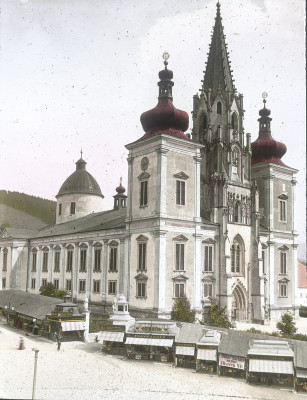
{"x":301,"y":380}
{"x":64,"y":322}
{"x":270,"y":362}
{"x":151,"y":340}
{"x":206,"y":355}
{"x":112,"y":339}
{"x":185,"y":355}
{"x":231,"y":365}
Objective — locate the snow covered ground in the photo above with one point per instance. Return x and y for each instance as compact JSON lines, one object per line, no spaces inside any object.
{"x":81,"y":371}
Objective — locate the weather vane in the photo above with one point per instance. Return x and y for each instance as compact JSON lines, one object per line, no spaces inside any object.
{"x":264,"y":96}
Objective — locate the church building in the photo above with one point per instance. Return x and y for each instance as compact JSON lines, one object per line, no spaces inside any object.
{"x":208,"y":215}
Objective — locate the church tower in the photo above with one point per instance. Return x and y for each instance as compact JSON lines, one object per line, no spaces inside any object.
{"x":163,"y":209}
{"x":228,"y":196}
{"x":276,"y":182}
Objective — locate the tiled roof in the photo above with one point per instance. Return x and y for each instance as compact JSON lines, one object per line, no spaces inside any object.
{"x":30,"y":304}
{"x":92,"y":222}
{"x":19,"y":233}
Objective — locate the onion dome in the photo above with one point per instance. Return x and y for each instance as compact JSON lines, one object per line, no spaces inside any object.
{"x":80,"y":182}
{"x":165,"y":118}
{"x":120,"y":189}
{"x":265,"y":149}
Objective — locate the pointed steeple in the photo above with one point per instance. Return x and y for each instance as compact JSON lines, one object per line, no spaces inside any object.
{"x":218,"y":72}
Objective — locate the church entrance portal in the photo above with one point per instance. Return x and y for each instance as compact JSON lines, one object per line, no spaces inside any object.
{"x":239,"y":308}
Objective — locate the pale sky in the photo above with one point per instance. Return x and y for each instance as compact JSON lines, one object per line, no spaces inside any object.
{"x":78,"y":74}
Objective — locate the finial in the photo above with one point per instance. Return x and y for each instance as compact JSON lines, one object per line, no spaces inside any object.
{"x":165,"y":56}
{"x":81,"y":152}
{"x":120,"y":181}
{"x":264,"y":96}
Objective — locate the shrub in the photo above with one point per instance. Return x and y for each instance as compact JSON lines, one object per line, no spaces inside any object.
{"x":216,"y":316}
{"x":182,"y":310}
{"x":286,"y":326}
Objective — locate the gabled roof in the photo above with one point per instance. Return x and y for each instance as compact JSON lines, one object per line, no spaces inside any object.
{"x":218,"y":73}
{"x":29,"y":304}
{"x":190,"y":333}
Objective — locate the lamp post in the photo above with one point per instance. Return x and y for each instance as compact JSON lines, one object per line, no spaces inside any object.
{"x":35,"y":369}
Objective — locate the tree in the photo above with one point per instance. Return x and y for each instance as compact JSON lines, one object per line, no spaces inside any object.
{"x":182,"y":310}
{"x":286,"y":326}
{"x":216,"y":316}
{"x":50,"y":291}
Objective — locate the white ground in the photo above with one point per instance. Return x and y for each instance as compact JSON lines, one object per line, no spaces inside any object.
{"x":81,"y":371}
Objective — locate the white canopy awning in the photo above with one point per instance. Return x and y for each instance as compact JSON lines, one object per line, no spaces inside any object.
{"x":206,"y":354}
{"x":185,"y":350}
{"x":271,"y":366}
{"x":68,"y":326}
{"x":301,"y":373}
{"x":111,"y":336}
{"x":150,"y":341}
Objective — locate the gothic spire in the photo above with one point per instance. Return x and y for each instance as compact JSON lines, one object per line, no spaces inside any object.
{"x":218,"y":72}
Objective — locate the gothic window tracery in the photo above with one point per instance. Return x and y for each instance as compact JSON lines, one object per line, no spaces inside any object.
{"x":234,"y":121}
{"x":237,"y":252}
{"x":219,"y":108}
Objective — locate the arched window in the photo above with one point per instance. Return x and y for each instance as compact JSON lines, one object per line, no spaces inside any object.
{"x":234,"y":121}
{"x":219,"y":108}
{"x":205,"y":122}
{"x":236,"y":251}
{"x":237,"y":212}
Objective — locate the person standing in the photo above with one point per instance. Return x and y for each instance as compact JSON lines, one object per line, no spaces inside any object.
{"x":59,"y":343}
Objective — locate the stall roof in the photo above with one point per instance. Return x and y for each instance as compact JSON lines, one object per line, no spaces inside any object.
{"x":111,"y":336}
{"x":189,"y":333}
{"x":210,"y":338}
{"x":270,"y":348}
{"x":28,"y":304}
{"x":234,"y":343}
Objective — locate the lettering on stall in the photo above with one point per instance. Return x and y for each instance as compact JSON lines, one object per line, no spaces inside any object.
{"x":231,"y":361}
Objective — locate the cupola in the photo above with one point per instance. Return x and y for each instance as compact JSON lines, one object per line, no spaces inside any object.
{"x":265,"y":149}
{"x":165,"y":118}
{"x":79,"y":195}
{"x":120,"y":198}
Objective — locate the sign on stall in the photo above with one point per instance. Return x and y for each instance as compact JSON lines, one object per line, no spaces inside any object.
{"x":231,"y":361}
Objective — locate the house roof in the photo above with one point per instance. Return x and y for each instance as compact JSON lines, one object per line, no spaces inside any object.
{"x":19,"y":233}
{"x":29,"y":304}
{"x":111,"y":219}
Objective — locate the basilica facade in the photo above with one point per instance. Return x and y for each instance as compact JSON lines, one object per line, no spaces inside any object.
{"x":207,"y":215}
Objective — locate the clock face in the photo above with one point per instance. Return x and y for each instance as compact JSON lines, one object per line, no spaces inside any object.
{"x":144,"y":163}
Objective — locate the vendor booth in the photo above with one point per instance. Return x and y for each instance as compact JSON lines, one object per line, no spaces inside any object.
{"x":206,"y":354}
{"x":270,"y":362}
{"x":301,"y":380}
{"x":151,"y":340}
{"x":185,"y":355}
{"x":65,"y":322}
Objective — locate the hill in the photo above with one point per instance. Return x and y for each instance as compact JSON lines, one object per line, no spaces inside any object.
{"x":25,"y":211}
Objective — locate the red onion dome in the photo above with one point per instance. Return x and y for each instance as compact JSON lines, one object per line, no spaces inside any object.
{"x":265,"y":148}
{"x":165,"y":118}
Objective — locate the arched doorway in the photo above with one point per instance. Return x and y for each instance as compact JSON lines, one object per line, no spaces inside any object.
{"x":239,"y":305}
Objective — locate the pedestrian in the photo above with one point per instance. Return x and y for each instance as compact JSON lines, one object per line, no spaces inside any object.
{"x":21,"y":344}
{"x":59,"y":344}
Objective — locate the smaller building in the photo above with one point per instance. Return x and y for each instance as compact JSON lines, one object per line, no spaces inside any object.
{"x":185,"y":346}
{"x":65,"y":322}
{"x":113,"y":330}
{"x":232,"y":354}
{"x":270,"y":362}
{"x":207,"y":349}
{"x":151,"y":340}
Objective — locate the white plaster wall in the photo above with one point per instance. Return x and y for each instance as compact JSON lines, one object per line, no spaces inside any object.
{"x":85,"y":205}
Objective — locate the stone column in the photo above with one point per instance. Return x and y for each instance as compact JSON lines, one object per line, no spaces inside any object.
{"x":50,"y":263}
{"x":130,"y":187}
{"x":121,"y":265}
{"x":160,"y":270}
{"x":294,"y":283}
{"x":75,"y":272}
{"x":197,"y":275}
{"x":39,"y":266}
{"x":89,"y":270}
{"x":197,"y":164}
{"x":161,"y":181}
{"x":62,"y":267}
{"x":105,"y":268}
{"x":127,"y":267}
{"x":271,"y":273}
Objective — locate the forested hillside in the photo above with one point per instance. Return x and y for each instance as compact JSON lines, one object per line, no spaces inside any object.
{"x":33,"y":206}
